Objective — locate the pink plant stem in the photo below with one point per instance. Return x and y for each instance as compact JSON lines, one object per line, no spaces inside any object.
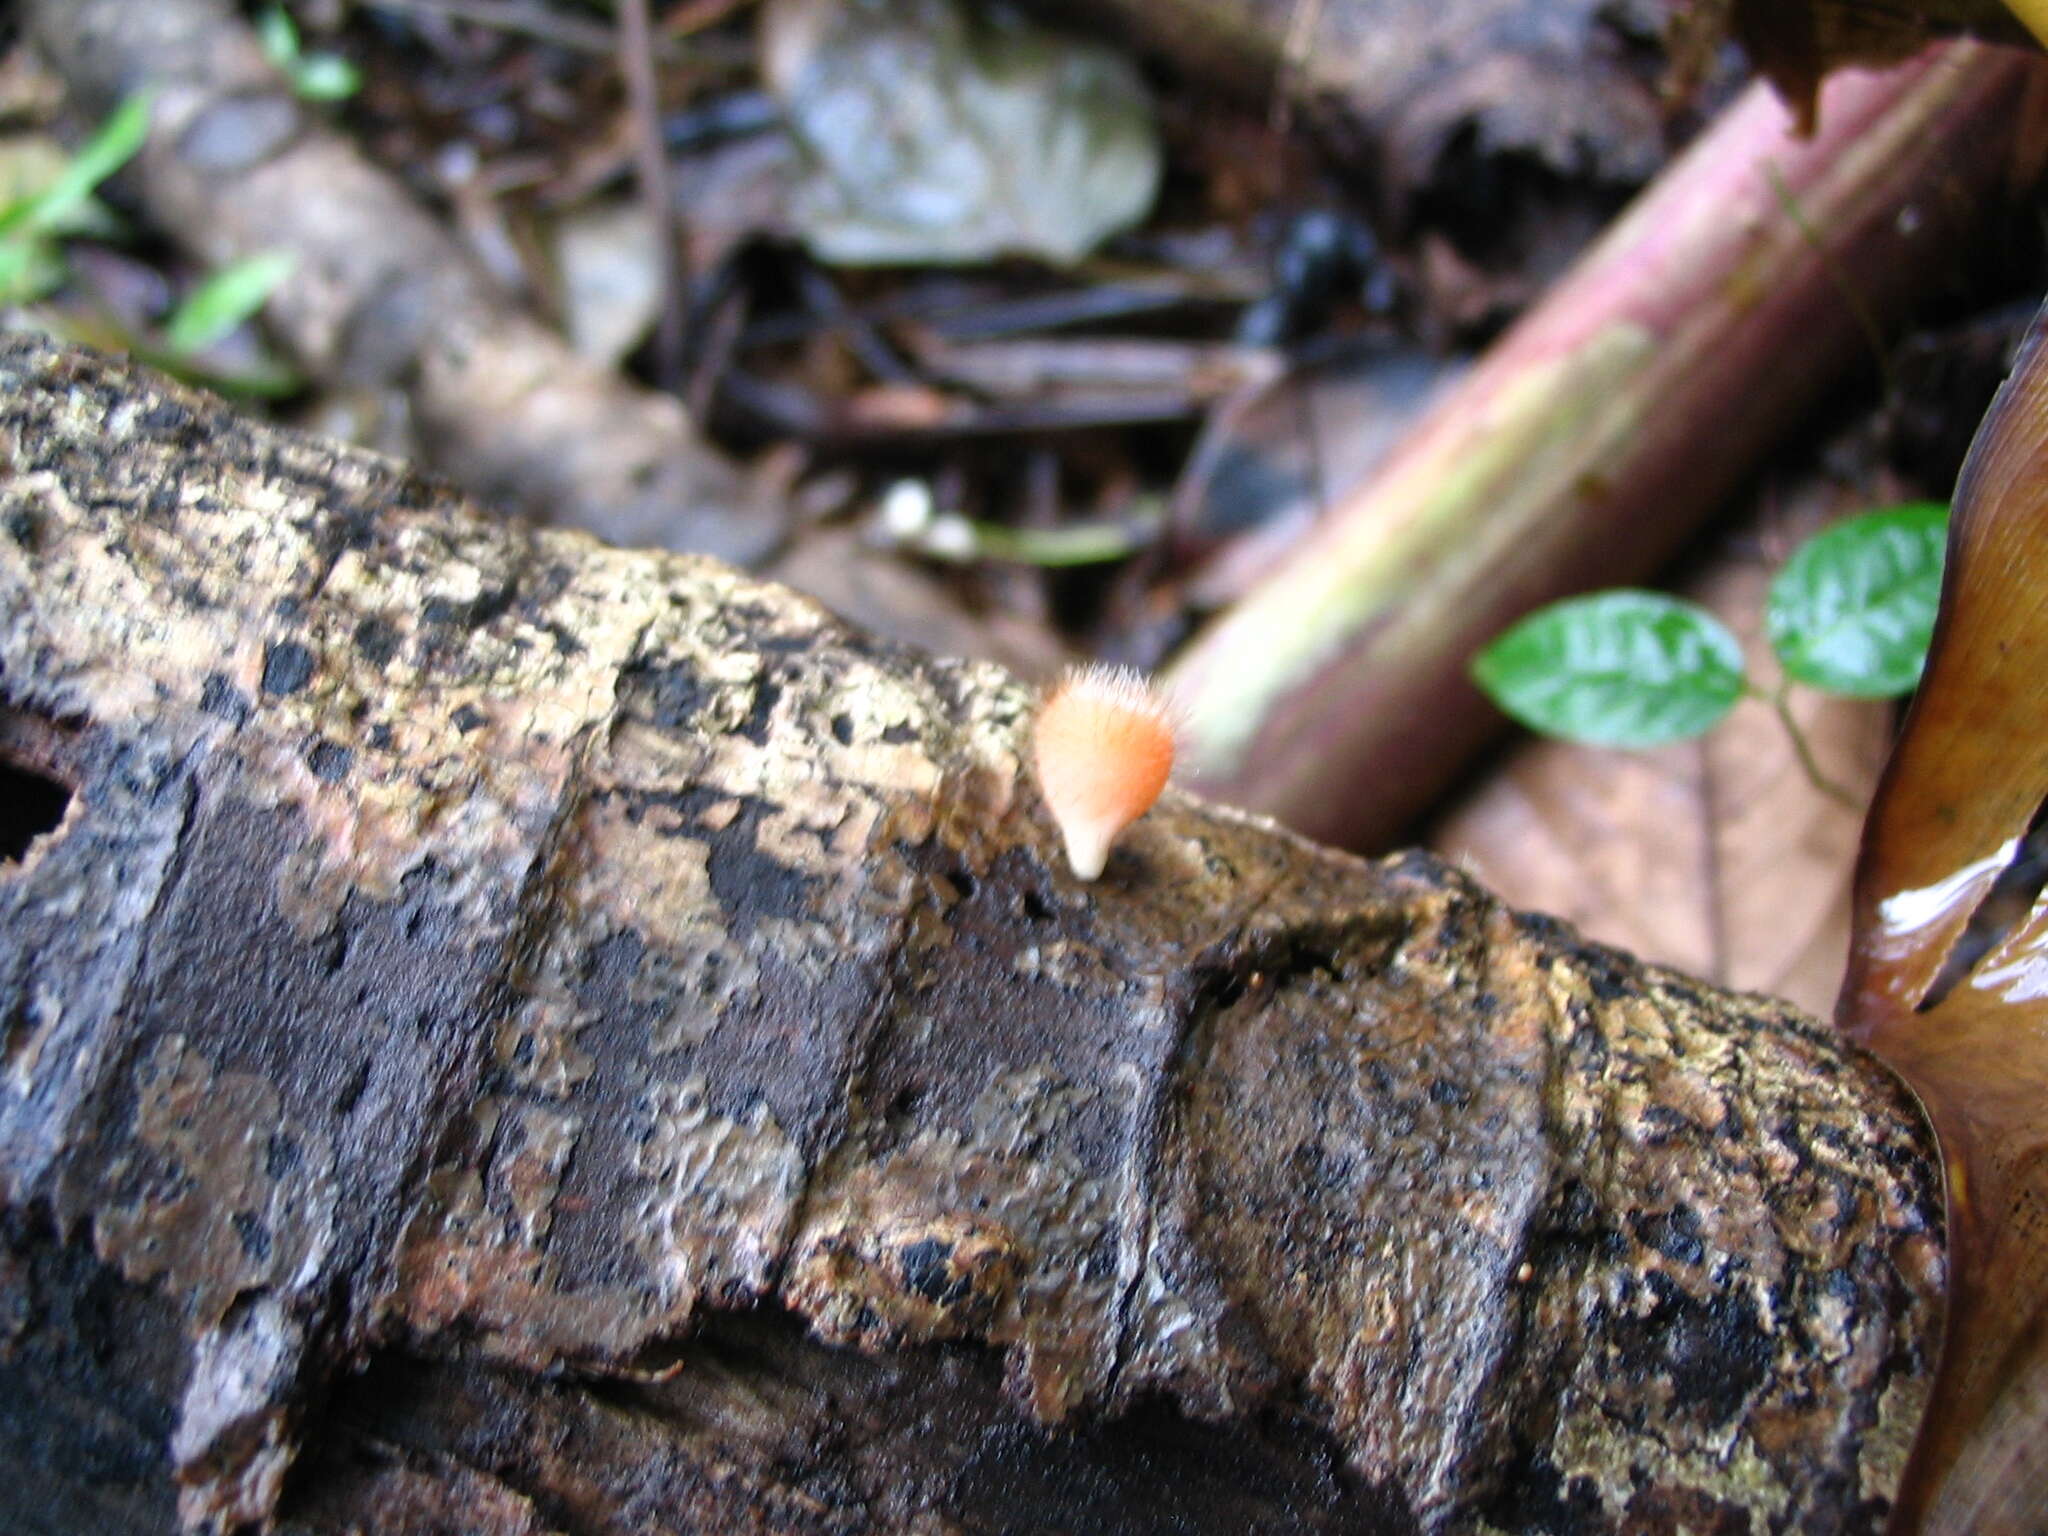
{"x":1750,"y":279}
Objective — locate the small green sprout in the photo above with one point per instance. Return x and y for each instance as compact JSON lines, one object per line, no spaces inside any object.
{"x":1850,"y":613}
{"x":314,"y":76}
{"x":226,"y":299}
{"x":33,"y":225}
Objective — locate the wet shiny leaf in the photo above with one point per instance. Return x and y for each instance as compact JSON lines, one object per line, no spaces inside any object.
{"x":1852,"y":610}
{"x":1948,"y":975}
{"x":1617,"y":669}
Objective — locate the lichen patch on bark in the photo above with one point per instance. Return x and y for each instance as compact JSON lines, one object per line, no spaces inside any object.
{"x":478,"y":953}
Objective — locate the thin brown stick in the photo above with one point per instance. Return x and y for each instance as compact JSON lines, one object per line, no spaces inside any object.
{"x":512,"y":16}
{"x":698,"y":16}
{"x":1804,"y":750}
{"x":643,"y":100}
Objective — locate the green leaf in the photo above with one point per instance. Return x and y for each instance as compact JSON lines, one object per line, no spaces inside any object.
{"x":1076,"y":544}
{"x":1853,"y":608}
{"x":30,"y":267}
{"x":30,"y":165}
{"x":1616,"y":669}
{"x":110,"y":148}
{"x":225,"y":300}
{"x":326,"y":77}
{"x":314,"y":76}
{"x":279,"y":36}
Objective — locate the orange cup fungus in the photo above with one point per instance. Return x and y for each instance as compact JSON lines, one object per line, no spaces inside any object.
{"x":1103,"y":746}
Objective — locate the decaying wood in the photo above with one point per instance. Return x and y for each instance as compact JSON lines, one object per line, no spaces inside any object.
{"x":522,"y":1036}
{"x":381,"y":295}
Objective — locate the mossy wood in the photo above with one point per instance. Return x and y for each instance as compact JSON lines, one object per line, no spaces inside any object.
{"x":511,"y":1035}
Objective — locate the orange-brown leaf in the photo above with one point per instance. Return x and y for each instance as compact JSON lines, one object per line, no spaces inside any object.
{"x":1949,"y":970}
{"x":1794,"y":43}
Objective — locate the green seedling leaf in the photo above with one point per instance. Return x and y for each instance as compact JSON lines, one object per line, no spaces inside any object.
{"x":30,"y":164}
{"x":279,"y":35}
{"x":326,"y":77}
{"x":260,"y":376}
{"x":1617,"y":669}
{"x":225,"y":300}
{"x":30,"y":267}
{"x":314,"y":76}
{"x":1852,"y":610}
{"x":955,"y":538}
{"x":110,"y":148}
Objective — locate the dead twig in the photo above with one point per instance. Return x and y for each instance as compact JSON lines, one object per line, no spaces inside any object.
{"x":650,"y":165}
{"x":512,"y":16}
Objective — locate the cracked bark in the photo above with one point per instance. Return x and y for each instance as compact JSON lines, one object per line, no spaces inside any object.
{"x":513,"y":1035}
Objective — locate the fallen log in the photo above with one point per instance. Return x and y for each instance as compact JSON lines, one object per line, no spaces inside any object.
{"x":500,"y":1031}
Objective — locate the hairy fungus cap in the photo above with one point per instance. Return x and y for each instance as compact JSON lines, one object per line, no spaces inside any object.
{"x":1103,"y":746}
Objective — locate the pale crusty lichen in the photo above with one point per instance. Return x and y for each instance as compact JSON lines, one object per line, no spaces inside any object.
{"x":233,"y":1221}
{"x":613,"y":939}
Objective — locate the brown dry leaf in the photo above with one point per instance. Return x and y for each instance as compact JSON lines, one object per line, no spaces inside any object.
{"x":1948,"y":980}
{"x":1514,"y":129}
{"x":1794,"y":44}
{"x":1719,"y":856}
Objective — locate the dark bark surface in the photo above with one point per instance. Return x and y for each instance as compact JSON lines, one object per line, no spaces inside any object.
{"x":509,"y":1035}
